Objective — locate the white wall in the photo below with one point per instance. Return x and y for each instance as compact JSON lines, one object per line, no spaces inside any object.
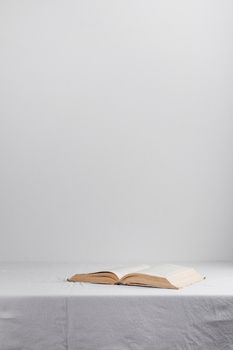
{"x":116,"y":130}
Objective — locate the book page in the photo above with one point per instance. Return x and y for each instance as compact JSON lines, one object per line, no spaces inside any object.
{"x":124,"y":270}
{"x":163,"y":270}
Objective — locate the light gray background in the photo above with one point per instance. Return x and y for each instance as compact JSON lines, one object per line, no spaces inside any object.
{"x":116,"y":130}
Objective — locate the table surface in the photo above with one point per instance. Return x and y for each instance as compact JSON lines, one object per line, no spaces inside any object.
{"x":49,"y":279}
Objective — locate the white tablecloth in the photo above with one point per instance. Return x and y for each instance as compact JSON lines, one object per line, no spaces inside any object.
{"x":39,"y":310}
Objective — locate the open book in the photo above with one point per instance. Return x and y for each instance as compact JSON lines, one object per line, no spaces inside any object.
{"x":160,"y":276}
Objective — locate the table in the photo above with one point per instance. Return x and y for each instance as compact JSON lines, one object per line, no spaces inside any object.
{"x":39,"y":310}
